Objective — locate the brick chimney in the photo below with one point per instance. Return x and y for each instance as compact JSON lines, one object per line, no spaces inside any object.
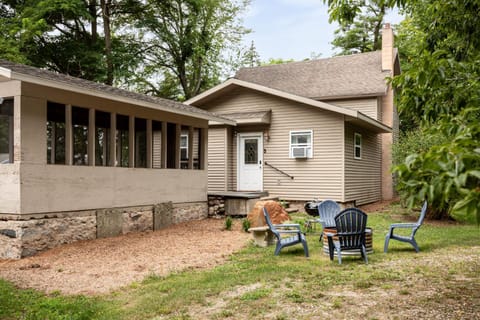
{"x":389,"y":115}
{"x":387,"y":47}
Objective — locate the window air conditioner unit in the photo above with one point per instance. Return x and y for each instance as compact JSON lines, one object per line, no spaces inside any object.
{"x":300,"y":152}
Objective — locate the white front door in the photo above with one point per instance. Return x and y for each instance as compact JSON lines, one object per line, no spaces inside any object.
{"x":250,"y":162}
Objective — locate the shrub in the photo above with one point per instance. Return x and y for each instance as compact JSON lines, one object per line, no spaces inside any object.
{"x":228,"y":223}
{"x":246,"y":225}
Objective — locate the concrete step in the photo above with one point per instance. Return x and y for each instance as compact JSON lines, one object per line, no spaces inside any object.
{"x":291,"y":210}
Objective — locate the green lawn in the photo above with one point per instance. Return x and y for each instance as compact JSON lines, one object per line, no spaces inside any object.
{"x":442,"y":282}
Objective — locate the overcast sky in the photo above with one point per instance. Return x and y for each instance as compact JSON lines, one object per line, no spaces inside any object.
{"x":292,"y":29}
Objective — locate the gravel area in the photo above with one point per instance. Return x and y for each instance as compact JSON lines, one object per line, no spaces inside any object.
{"x":102,"y":265}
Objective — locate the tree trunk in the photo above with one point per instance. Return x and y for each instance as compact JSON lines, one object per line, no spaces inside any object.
{"x":377,"y":44}
{"x":92,"y":9}
{"x":106,"y":5}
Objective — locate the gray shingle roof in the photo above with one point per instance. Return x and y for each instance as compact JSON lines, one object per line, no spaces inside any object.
{"x":175,"y":107}
{"x":342,"y":76}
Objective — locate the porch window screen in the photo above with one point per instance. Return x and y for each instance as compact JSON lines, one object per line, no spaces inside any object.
{"x":140,"y":143}
{"x":122,"y":140}
{"x":6,"y":131}
{"x":56,"y":139}
{"x":197,"y":147}
{"x":80,"y":136}
{"x":102,"y":138}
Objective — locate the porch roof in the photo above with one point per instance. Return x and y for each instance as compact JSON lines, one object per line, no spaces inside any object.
{"x":247,"y":118}
{"x":14,"y":71}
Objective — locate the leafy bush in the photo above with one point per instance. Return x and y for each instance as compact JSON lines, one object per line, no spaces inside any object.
{"x":415,"y":142}
{"x":246,"y":225}
{"x":228,"y":223}
{"x":447,"y":173}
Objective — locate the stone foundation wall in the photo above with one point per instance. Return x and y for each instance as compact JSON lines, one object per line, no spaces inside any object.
{"x":216,"y":206}
{"x":23,"y":236}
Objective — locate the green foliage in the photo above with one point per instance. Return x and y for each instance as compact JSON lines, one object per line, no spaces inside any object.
{"x":415,"y":142}
{"x":441,"y":88}
{"x":174,"y":48}
{"x":228,"y":223}
{"x":438,"y":93}
{"x":345,"y":11}
{"x":63,"y":36}
{"x":184,"y":41}
{"x":256,"y":294}
{"x":363,"y":35}
{"x":447,"y":173}
{"x":251,"y":58}
{"x":273,"y":61}
{"x":245,"y":224}
{"x":30,"y":305}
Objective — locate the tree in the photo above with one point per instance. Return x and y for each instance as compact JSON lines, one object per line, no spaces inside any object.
{"x":273,"y":61}
{"x":363,"y":35}
{"x":441,"y":87}
{"x":345,"y":11}
{"x":66,"y":36}
{"x":251,"y":58}
{"x":184,"y":42}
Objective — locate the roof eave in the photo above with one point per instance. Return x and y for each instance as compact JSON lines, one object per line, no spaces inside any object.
{"x":250,"y":85}
{"x":354,"y":116}
{"x":371,"y":124}
{"x":353,"y":96}
{"x":4,"y":72}
{"x":207,"y":95}
{"x":100,"y":94}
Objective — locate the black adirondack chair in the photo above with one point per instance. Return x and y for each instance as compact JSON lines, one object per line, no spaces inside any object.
{"x":350,"y":235}
{"x":410,"y":238}
{"x":293,"y":230}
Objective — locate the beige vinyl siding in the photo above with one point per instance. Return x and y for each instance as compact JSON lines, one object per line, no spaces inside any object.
{"x":380,"y":106}
{"x":157,"y":149}
{"x":363,"y":181}
{"x":217,"y":156}
{"x":368,"y":107}
{"x":317,"y":177}
{"x":232,"y":162}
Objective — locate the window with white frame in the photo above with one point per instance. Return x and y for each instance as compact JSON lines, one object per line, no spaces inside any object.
{"x":184,"y":150}
{"x":301,"y":144}
{"x":357,"y":141}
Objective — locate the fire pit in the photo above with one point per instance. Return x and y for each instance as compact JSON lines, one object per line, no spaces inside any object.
{"x":311,"y":207}
{"x":368,"y":242}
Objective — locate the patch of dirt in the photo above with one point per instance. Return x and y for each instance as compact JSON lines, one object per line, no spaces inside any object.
{"x":102,"y":265}
{"x":376,"y":206}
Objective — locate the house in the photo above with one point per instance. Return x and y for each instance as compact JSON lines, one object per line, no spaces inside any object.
{"x":313,"y":129}
{"x":81,"y":160}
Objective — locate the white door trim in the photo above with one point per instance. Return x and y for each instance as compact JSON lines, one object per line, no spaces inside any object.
{"x":258,"y":135}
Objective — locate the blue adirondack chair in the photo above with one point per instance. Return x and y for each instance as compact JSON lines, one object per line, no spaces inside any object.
{"x":350,"y":235}
{"x":327,"y":210}
{"x":293,"y":230}
{"x":410,"y":238}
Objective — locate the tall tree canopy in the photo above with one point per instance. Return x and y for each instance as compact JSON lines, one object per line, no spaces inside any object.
{"x":363,"y":34}
{"x":184,"y":43}
{"x":74,"y":37}
{"x":170,"y":48}
{"x":441,"y":88}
